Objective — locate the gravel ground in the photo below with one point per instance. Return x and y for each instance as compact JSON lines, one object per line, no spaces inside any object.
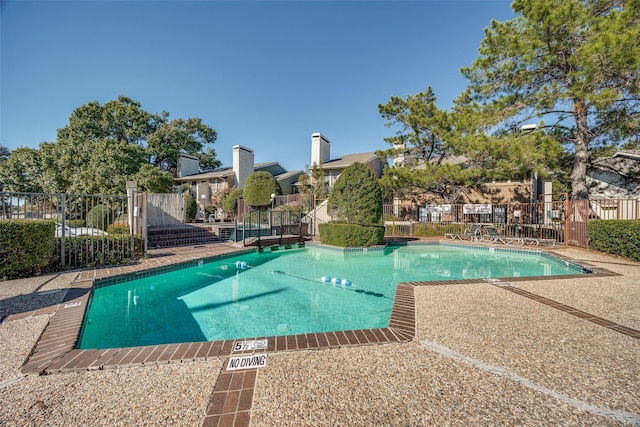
{"x":18,"y":296}
{"x":482,"y":356}
{"x":398,"y":385}
{"x":551,"y":348}
{"x":170,"y":394}
{"x":18,"y":338}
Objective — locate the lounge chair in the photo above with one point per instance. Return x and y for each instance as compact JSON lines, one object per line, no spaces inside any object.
{"x":472,"y":233}
{"x":218,"y":216}
{"x":492,"y":235}
{"x":535,"y":241}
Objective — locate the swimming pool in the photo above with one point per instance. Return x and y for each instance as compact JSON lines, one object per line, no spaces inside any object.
{"x":286,"y":292}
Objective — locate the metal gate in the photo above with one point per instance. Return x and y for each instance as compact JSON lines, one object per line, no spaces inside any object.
{"x":576,"y":223}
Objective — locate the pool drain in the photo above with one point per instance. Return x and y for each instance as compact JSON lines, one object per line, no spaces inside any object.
{"x":283,"y":327}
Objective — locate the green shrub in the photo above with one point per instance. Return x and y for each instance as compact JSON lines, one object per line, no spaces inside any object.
{"x":615,"y":237}
{"x":120,"y":225}
{"x":118,"y":228}
{"x":258,"y":189}
{"x":100,"y":216}
{"x":76,"y":223}
{"x":92,"y":251}
{"x":190,"y":207}
{"x":434,"y":230}
{"x":230,"y":204}
{"x":356,"y":196}
{"x":351,"y":235}
{"x":210,"y":210}
{"x":26,"y":247}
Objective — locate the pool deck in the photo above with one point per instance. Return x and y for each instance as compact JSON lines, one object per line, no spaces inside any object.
{"x":551,"y":350}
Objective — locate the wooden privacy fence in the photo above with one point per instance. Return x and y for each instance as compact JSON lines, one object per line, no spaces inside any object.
{"x":165,"y":209}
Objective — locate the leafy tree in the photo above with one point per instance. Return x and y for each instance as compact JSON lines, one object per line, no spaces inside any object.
{"x":313,"y":187}
{"x":572,"y":66}
{"x":319,"y":186}
{"x":219,"y":196}
{"x":108,"y":168}
{"x":258,"y":189}
{"x":4,"y":153}
{"x":304,"y":187}
{"x":231,"y":201}
{"x":103,"y":146}
{"x":180,"y":136}
{"x":20,"y":171}
{"x":150,"y":178}
{"x":356,"y":196}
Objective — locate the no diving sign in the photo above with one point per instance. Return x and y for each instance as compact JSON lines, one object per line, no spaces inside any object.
{"x":247,"y":362}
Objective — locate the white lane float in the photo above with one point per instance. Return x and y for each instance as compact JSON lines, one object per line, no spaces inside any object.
{"x":335,"y":280}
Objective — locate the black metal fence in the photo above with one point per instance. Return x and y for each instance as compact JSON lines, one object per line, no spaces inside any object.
{"x":564,"y":221}
{"x":91,"y":230}
{"x":274,"y":226}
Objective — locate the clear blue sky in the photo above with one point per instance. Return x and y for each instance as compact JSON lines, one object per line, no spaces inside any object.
{"x":265,"y":75}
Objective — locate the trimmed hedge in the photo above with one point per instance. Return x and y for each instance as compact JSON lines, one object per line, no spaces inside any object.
{"x":615,"y":237}
{"x":351,"y":235}
{"x":119,"y":228}
{"x":356,"y":196}
{"x":26,"y":247}
{"x":419,"y":229}
{"x":92,"y":251}
{"x":100,"y":216}
{"x":258,"y":189}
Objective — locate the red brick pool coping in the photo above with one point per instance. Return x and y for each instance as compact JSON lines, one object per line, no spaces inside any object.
{"x":231,"y":400}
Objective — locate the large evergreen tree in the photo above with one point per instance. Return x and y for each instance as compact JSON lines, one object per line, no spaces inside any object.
{"x":570,"y":66}
{"x":440,"y":154}
{"x":420,"y":149}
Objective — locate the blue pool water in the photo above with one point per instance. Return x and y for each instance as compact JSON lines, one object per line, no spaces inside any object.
{"x":286,"y":292}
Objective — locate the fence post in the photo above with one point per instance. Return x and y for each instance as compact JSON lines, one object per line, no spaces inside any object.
{"x":259,"y":231}
{"x":144,"y":218}
{"x":566,"y":218}
{"x":63,"y":201}
{"x":281,"y":228}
